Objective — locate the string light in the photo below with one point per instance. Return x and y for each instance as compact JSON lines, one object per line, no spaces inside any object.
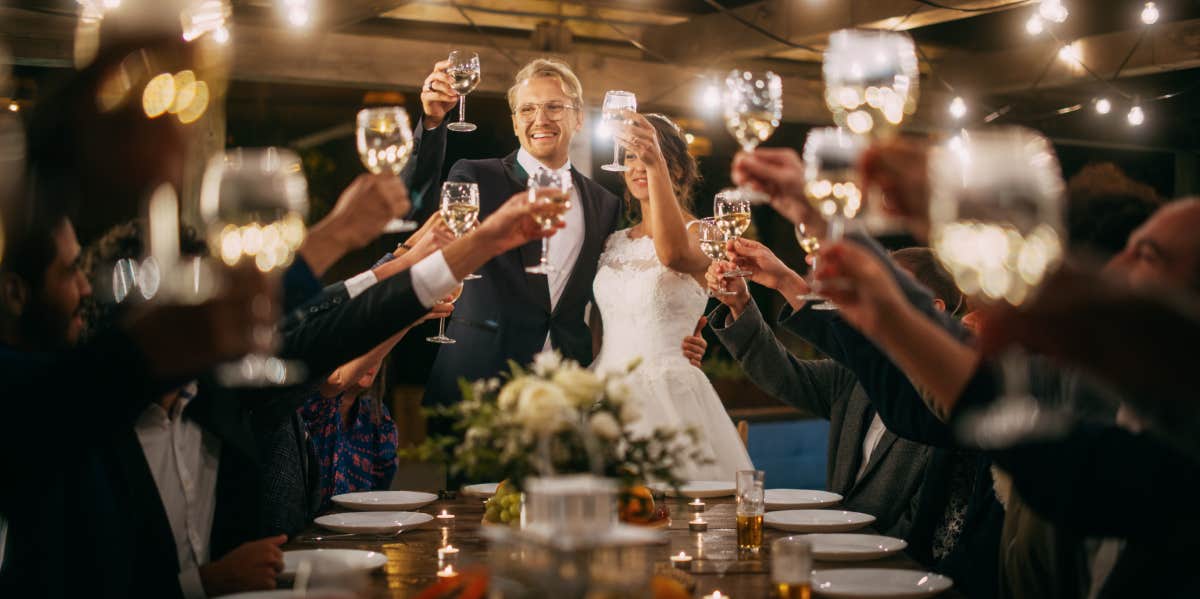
{"x":298,"y":17}
{"x":13,"y":107}
{"x":1103,"y":106}
{"x":1070,"y":53}
{"x":1150,"y":14}
{"x":710,"y":97}
{"x":221,"y":35}
{"x":1034,"y":25}
{"x":1136,"y":117}
{"x":1053,"y":10}
{"x":958,"y":107}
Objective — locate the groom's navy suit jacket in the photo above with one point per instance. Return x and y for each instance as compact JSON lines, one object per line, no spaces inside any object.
{"x":507,"y":314}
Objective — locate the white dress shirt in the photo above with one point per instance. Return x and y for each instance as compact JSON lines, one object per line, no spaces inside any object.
{"x":183,"y":460}
{"x":567,"y":242}
{"x":870,"y":442}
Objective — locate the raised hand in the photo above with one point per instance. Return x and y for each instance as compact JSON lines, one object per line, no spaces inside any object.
{"x":779,"y":173}
{"x":360,"y":215}
{"x":641,"y":138}
{"x":250,"y":567}
{"x":437,"y":95}
{"x":694,"y":345}
{"x":766,"y":268}
{"x":432,"y":236}
{"x":865,"y":293}
{"x":899,"y":169}
{"x":514,"y":225}
{"x":718,"y":282}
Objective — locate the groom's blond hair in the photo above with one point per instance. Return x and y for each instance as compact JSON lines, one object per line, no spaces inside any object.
{"x":548,"y":67}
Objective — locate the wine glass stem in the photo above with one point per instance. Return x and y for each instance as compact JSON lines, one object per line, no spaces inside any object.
{"x":812,"y":274}
{"x":462,"y":108}
{"x":545,"y":251}
{"x":837,"y":227}
{"x":616,"y":152}
{"x":442,"y":327}
{"x":1015,"y":368}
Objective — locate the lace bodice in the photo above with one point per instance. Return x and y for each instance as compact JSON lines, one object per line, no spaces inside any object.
{"x":647,"y":308}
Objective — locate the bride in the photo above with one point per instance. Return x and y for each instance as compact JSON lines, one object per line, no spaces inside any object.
{"x":650,"y":290}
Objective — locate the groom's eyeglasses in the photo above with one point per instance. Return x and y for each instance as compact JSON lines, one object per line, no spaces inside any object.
{"x":554,"y":110}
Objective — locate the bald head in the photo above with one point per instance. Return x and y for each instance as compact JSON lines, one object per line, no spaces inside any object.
{"x":1165,"y":250}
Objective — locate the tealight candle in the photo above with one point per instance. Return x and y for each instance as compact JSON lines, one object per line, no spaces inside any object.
{"x":696,"y":506}
{"x":445,"y":518}
{"x":717,"y":595}
{"x":447,"y":572}
{"x":447,"y":555}
{"x":682,"y":561}
{"x":698,"y":525}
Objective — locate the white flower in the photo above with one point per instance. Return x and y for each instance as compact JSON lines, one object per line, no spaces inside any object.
{"x":617,"y":390}
{"x":603,"y":425}
{"x":630,"y":412}
{"x":475,"y":434}
{"x":542,"y":406}
{"x":546,"y":363}
{"x":507,"y":401}
{"x":580,"y":385}
{"x":492,"y":384}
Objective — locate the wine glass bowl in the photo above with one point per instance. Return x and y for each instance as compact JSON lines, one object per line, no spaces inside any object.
{"x":731,"y":212}
{"x":548,"y":189}
{"x":617,"y":105}
{"x":871,"y":80}
{"x":753,"y":107}
{"x":465,"y":75}
{"x":460,"y":210}
{"x":830,"y":174}
{"x":384,"y":139}
{"x":713,"y":243}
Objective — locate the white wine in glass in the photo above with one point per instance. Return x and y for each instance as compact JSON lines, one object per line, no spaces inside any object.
{"x":616,"y":106}
{"x":713,"y":242}
{"x":831,"y":181}
{"x":383,"y":136}
{"x":441,"y":337}
{"x":253,"y":201}
{"x":871,"y":80}
{"x":731,"y":212}
{"x":997,"y":201}
{"x":460,"y":210}
{"x":811,"y":246}
{"x":753,"y":107}
{"x":548,"y":188}
{"x":465,"y":74}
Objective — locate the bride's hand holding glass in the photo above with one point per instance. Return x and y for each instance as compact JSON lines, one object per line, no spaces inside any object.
{"x":638,"y":136}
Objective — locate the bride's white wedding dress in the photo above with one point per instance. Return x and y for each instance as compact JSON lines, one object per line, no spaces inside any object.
{"x":647,"y":309}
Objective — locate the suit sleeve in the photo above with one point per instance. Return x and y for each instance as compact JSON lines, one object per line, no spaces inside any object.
{"x":810,"y":385}
{"x":349,"y":328}
{"x":423,"y":174}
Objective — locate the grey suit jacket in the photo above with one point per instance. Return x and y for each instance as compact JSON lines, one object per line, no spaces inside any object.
{"x":891,"y":484}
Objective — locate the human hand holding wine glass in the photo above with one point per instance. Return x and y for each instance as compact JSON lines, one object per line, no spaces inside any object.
{"x":713,"y":240}
{"x":460,"y":210}
{"x":831,"y":181}
{"x":548,"y":188}
{"x":464,"y":75}
{"x":441,"y":337}
{"x":753,"y":107}
{"x":438,"y":97}
{"x":731,"y":212}
{"x":383,"y":136}
{"x":617,"y":106}
{"x":253,"y":201}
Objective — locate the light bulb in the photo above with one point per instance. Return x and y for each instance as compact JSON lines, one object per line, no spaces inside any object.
{"x":1103,"y":106}
{"x":958,"y":108}
{"x":1034,"y":25}
{"x":221,"y":35}
{"x":1136,"y":116}
{"x":1053,"y":10}
{"x":710,"y":97}
{"x":1069,"y":53}
{"x":13,"y":107}
{"x":1150,"y":14}
{"x":298,"y":16}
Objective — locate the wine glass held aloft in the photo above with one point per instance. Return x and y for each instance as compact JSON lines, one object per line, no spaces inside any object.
{"x":550,"y":193}
{"x":460,"y":210}
{"x":441,"y":337}
{"x":731,"y":212}
{"x":811,"y":246}
{"x":831,"y":181}
{"x":617,"y":106}
{"x":712,"y":242}
{"x":753,"y":107}
{"x":871,"y":80}
{"x":383,"y":136}
{"x":253,"y":202}
{"x":465,"y":74}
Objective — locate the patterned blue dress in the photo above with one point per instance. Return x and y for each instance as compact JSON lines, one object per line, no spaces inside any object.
{"x":361,"y":457}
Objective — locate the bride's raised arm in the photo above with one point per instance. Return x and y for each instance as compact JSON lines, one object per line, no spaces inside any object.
{"x":677,"y":247}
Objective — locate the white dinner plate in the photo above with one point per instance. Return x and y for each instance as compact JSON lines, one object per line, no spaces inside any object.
{"x":384,"y":501}
{"x":817,"y":520}
{"x":332,"y":560}
{"x":878,"y":582}
{"x":484,"y":490}
{"x":372,"y":522}
{"x":702,"y":489}
{"x":842,"y":547}
{"x":800,"y":499}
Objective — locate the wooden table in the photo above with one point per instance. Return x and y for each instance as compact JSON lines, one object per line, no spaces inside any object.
{"x":412,"y":555}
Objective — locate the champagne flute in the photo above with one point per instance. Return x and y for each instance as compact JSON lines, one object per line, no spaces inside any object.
{"x":812,"y":247}
{"x":384,"y":139}
{"x":713,"y":243}
{"x":731,"y":210}
{"x":464,"y":71}
{"x":753,"y":107}
{"x":547,"y":187}
{"x":460,"y":210}
{"x":996,"y":216}
{"x":253,"y":202}
{"x":441,"y":337}
{"x":830,"y":179}
{"x":615,"y":105}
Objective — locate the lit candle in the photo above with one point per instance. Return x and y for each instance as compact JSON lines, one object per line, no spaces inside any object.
{"x":447,"y":556}
{"x":716,"y":595}
{"x":698,"y":525}
{"x":447,"y":572}
{"x":445,"y":518}
{"x":696,"y":506}
{"x":682,"y":561}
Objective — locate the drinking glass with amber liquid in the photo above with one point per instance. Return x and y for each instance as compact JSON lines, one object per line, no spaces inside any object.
{"x":750,"y":508}
{"x":791,"y":568}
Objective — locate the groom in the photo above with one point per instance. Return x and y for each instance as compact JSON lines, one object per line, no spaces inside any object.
{"x":510,"y":314}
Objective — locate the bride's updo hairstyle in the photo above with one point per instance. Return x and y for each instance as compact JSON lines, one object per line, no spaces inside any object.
{"x":680,"y":164}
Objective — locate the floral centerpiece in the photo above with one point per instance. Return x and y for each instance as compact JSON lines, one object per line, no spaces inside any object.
{"x":557,"y":417}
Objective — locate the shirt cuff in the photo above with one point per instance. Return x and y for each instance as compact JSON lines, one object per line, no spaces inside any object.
{"x":432,"y":279}
{"x":359,"y":283}
{"x":191,"y":585}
